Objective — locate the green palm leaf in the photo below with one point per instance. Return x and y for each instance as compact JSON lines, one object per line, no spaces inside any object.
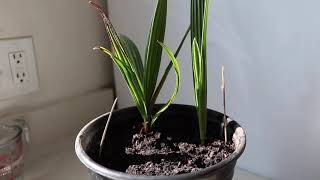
{"x":154,"y":50}
{"x":142,"y":78}
{"x":133,"y":53}
{"x":132,"y":81}
{"x":177,"y":71}
{"x":200,"y":88}
{"x":199,"y":21}
{"x":167,"y":70}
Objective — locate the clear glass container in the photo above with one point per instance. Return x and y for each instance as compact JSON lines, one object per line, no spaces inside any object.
{"x":12,"y":150}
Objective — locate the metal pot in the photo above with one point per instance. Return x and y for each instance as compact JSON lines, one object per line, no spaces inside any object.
{"x":178,"y":118}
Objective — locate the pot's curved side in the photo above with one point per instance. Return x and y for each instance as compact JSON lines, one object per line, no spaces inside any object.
{"x":221,"y":171}
{"x":225,"y":173}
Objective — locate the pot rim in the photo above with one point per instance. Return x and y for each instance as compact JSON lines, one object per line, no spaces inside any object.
{"x":107,"y":172}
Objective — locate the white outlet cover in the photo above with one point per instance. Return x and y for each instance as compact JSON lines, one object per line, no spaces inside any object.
{"x":9,"y":85}
{"x":19,"y":68}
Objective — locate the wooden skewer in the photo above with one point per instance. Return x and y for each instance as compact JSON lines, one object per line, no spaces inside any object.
{"x":106,"y":127}
{"x":223,"y":89}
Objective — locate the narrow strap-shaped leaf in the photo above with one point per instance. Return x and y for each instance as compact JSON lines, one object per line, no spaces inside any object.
{"x":126,"y":72}
{"x":167,"y":70}
{"x":200,"y":89}
{"x":116,"y":43}
{"x":197,"y":10}
{"x":196,"y":58}
{"x":111,"y":31}
{"x":132,"y":50}
{"x":205,"y":29}
{"x":199,"y":21}
{"x":122,"y":54}
{"x":131,"y":79}
{"x":154,"y":50}
{"x":177,"y":71}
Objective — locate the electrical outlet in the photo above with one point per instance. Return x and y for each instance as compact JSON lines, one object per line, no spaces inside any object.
{"x":18,"y":71}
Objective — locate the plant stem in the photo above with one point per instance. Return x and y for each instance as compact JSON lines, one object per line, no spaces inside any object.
{"x":146,"y":125}
{"x":106,"y":127}
{"x":223,"y":89}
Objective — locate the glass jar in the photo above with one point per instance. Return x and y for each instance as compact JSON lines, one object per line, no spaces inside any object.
{"x":12,"y":149}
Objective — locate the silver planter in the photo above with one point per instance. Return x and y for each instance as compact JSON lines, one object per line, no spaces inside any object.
{"x":178,"y":120}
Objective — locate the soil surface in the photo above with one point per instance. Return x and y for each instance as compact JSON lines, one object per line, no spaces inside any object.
{"x":154,"y":154}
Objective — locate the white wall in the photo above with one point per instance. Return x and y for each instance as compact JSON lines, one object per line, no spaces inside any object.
{"x":74,"y":80}
{"x":64,"y":33}
{"x":271,"y":53}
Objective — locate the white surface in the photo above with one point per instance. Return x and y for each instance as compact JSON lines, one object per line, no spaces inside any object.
{"x":10,"y":51}
{"x":61,"y":163}
{"x":51,"y":124}
{"x":51,"y":155}
{"x":64,"y":33}
{"x":271,"y":54}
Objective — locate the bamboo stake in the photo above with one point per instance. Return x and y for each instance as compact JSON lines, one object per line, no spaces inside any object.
{"x":223,"y":89}
{"x":106,"y":127}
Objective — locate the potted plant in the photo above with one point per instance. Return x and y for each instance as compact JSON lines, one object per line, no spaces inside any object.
{"x":160,"y":141}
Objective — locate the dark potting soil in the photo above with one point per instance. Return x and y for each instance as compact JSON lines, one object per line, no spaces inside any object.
{"x":155,"y":154}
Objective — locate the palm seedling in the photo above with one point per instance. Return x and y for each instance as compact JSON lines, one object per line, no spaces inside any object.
{"x":199,"y":20}
{"x":199,"y":24}
{"x":140,"y":77}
